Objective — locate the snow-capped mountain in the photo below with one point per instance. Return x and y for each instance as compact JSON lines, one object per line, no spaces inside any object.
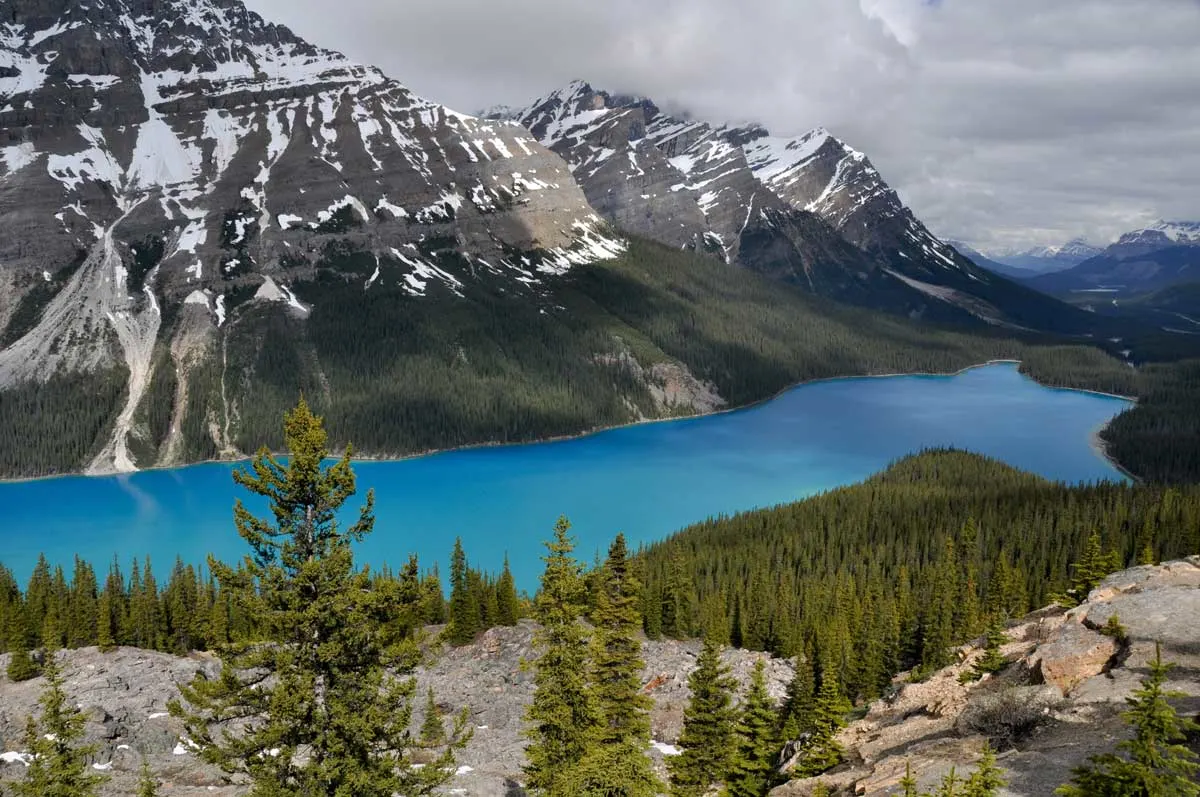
{"x":1164,"y":254}
{"x":1045,"y":259}
{"x":160,"y":158}
{"x":782,"y":206}
{"x":1163,"y":234}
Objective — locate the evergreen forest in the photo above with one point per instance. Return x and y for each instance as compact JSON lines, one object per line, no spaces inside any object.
{"x":400,"y":374}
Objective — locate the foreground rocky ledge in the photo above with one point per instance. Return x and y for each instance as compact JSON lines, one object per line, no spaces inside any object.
{"x":1063,"y":696}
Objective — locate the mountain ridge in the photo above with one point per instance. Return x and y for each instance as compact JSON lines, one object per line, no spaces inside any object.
{"x":716,"y":188}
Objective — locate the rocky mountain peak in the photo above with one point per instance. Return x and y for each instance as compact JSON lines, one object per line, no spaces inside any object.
{"x":1164,"y":233}
{"x":172,"y":153}
{"x":810,"y":210}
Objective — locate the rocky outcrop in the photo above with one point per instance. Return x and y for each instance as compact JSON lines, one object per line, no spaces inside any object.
{"x":930,"y":725}
{"x":124,"y":695}
{"x":1058,"y":703}
{"x":1076,"y":654}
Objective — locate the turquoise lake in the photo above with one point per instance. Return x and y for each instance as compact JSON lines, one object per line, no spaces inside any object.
{"x":646,"y":480}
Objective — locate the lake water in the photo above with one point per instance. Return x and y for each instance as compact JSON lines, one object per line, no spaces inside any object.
{"x":646,"y":480}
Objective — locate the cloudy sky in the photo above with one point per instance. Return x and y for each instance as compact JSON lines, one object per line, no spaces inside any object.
{"x":1001,"y":122}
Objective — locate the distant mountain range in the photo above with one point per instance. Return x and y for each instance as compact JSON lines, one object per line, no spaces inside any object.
{"x":1144,"y":260}
{"x":1040,"y":259}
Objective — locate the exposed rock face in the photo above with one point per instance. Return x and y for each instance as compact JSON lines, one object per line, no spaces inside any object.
{"x":1076,"y":654}
{"x":487,"y":678}
{"x":1042,"y":729}
{"x":125,"y":694}
{"x":931,"y":725}
{"x":160,"y":153}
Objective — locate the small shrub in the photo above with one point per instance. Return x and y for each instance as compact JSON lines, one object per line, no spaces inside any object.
{"x":1009,"y":715}
{"x":1113,"y":628}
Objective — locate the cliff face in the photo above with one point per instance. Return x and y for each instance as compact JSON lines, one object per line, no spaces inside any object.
{"x":161,"y":161}
{"x":1057,"y":703}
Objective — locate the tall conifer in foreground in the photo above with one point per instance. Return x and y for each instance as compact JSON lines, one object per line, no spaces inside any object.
{"x":616,"y":762}
{"x":464,"y":600}
{"x":323,"y":715}
{"x":508,"y":609}
{"x":795,"y":716}
{"x":21,"y":666}
{"x":822,"y":751}
{"x":708,"y":724}
{"x":561,"y":715}
{"x":752,"y":773}
{"x":58,"y":764}
{"x":1155,"y":763}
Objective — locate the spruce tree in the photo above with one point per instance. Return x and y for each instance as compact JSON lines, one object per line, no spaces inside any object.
{"x":1091,"y":568}
{"x":433,"y":730}
{"x":561,"y":715}
{"x":756,"y":749}
{"x":464,"y":599}
{"x":616,"y":762}
{"x":21,"y":666}
{"x":987,"y":779}
{"x":1154,"y":764}
{"x":822,"y":750}
{"x":705,"y":743}
{"x":147,"y":783}
{"x":58,"y":764}
{"x":908,"y":783}
{"x":795,"y":716}
{"x":508,"y":610}
{"x":105,"y":638}
{"x":325,"y":716}
{"x":82,"y":625}
{"x":992,"y":661}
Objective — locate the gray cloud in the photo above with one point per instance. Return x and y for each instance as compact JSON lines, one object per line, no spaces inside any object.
{"x":1000,"y":121}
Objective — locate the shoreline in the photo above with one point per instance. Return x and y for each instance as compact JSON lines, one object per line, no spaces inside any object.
{"x":1094,"y":440}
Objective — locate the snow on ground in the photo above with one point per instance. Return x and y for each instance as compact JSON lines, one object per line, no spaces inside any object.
{"x":665,"y":749}
{"x":16,"y":758}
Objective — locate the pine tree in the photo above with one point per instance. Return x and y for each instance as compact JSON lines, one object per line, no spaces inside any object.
{"x":82,"y":625}
{"x":561,"y":714}
{"x":822,"y":751}
{"x":21,"y":666}
{"x":329,"y":717}
{"x":676,"y":608}
{"x":615,"y":762}
{"x":705,"y":743}
{"x":433,"y":602}
{"x":752,"y":772}
{"x":464,"y":600}
{"x":105,"y":639}
{"x":58,"y":766}
{"x":1089,"y":571}
{"x":987,"y":779}
{"x":508,"y":610}
{"x":908,"y":783}
{"x":949,"y":785}
{"x":433,"y":730}
{"x":1154,"y":764}
{"x":147,"y":783}
{"x":795,"y":717}
{"x":992,"y":660}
